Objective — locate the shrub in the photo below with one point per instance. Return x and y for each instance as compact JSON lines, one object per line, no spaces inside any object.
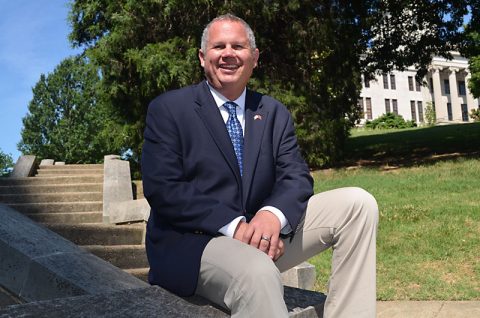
{"x":390,"y":121}
{"x":475,"y":114}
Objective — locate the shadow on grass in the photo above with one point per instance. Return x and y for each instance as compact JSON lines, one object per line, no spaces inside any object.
{"x":413,"y":147}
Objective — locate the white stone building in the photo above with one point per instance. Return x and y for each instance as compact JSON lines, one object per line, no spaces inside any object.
{"x":446,"y":86}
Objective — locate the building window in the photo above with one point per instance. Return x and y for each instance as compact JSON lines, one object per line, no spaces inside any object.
{"x":395,"y":106}
{"x":387,"y":106}
{"x":368,"y":101}
{"x":410,"y":83}
{"x":431,"y":85}
{"x":417,"y":86}
{"x":449,"y":111}
{"x":412,"y":108}
{"x":446,"y":86}
{"x":462,"y":91}
{"x":393,"y":85}
{"x":360,"y":106}
{"x":366,"y":82}
{"x":385,"y":81}
{"x":420,"y":111}
{"x":464,"y":112}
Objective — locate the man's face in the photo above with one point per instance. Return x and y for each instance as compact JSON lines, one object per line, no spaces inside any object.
{"x":229,"y":60}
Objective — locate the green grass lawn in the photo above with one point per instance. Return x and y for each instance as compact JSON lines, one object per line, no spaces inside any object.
{"x":410,"y":146}
{"x":429,"y":233}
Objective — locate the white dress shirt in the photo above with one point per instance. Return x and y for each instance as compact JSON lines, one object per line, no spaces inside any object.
{"x":229,"y":229}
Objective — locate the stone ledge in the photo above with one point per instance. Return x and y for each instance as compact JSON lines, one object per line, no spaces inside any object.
{"x":38,"y":264}
{"x":151,"y":302}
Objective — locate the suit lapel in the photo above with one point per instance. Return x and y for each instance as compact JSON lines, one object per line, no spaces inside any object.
{"x":209,"y":113}
{"x":255,"y":122}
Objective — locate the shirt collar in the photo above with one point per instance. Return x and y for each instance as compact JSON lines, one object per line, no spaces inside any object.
{"x":220,"y":99}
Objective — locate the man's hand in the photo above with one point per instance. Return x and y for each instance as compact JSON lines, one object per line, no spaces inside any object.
{"x":264,"y":224}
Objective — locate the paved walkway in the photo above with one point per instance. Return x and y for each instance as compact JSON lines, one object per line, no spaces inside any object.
{"x":428,"y":309}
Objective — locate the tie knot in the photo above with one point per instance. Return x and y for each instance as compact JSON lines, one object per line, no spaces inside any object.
{"x":231,"y":107}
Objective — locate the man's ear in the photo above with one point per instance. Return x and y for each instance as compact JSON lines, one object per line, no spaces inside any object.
{"x":201,"y":58}
{"x":256,"y":55}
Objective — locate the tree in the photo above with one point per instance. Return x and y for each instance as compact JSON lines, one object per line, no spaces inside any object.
{"x":312,"y":53}
{"x":67,"y":120}
{"x":6,"y":163}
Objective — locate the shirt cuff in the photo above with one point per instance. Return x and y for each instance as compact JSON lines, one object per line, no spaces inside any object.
{"x":229,"y":229}
{"x":284,"y":225}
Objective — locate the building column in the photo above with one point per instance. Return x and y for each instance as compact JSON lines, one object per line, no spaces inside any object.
{"x":440,"y":108}
{"x":456,"y":106}
{"x":470,"y":100}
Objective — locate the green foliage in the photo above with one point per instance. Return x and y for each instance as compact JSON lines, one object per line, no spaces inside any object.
{"x":67,"y":120}
{"x":312,"y":54}
{"x":390,"y":121}
{"x":475,"y":114}
{"x":430,"y":114}
{"x":6,"y":163}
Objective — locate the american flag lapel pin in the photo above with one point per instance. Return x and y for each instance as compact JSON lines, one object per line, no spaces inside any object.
{"x":257,"y":117}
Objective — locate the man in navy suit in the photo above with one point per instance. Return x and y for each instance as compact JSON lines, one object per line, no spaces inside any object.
{"x":231,"y":196}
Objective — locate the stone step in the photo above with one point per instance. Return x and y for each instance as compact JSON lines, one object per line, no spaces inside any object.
{"x":67,"y":172}
{"x":73,"y":166}
{"x":50,"y":180}
{"x":51,"y":197}
{"x":51,"y":188}
{"x":67,"y":218}
{"x":140,"y":273}
{"x":100,"y":234}
{"x":122,"y":256}
{"x":57,"y":207}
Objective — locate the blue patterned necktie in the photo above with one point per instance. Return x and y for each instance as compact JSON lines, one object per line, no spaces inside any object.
{"x":235,"y":131}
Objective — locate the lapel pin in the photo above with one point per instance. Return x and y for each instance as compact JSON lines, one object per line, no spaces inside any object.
{"x":257,"y":117}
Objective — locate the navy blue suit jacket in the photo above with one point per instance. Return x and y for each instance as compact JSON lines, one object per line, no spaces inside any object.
{"x":192,"y":181}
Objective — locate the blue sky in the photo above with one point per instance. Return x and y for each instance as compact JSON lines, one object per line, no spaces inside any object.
{"x":33,"y":40}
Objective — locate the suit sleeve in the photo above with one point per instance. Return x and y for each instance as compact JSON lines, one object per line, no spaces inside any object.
{"x":293,"y":183}
{"x":170,"y":194}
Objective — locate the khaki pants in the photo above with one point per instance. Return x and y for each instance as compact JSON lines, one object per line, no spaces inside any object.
{"x":246,"y":281}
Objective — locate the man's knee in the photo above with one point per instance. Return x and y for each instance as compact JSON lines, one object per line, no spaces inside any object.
{"x":365,"y":203}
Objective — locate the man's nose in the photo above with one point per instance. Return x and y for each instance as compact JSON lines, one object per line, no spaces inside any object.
{"x":228,"y":52}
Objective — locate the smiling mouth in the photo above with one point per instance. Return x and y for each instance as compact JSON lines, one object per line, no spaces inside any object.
{"x":229,"y":67}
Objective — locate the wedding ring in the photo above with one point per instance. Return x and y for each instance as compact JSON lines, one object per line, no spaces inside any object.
{"x":266,"y":238}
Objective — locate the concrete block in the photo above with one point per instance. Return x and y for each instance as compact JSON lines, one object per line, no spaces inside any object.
{"x":117,"y":186}
{"x":300,"y":276}
{"x":59,"y":163}
{"x":38,"y":264}
{"x":47,"y":162}
{"x":24,"y":167}
{"x":129,"y":211}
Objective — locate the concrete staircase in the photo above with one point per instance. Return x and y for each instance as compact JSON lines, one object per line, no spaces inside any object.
{"x":68,"y":200}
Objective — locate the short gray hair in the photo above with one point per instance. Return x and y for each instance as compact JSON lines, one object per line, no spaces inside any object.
{"x":228,"y":17}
